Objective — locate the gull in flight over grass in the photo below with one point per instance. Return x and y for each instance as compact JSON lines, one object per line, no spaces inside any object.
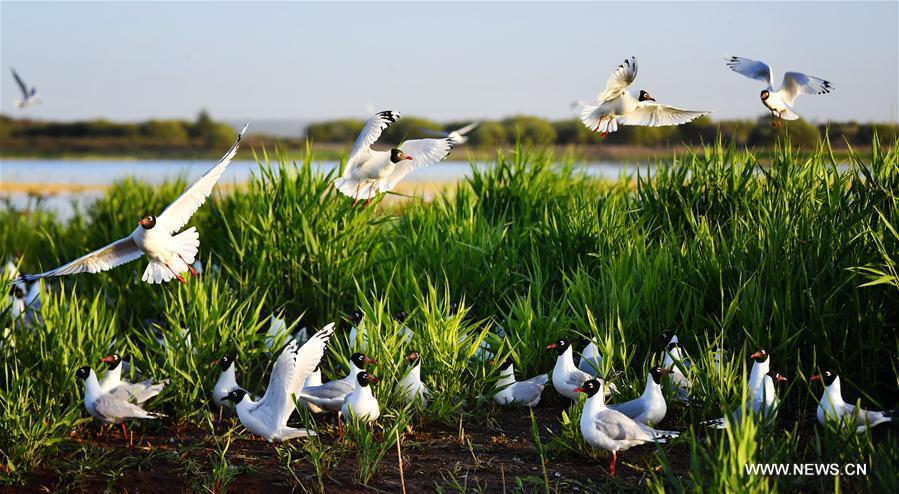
{"x":616,"y":106}
{"x":368,"y":172}
{"x":780,"y":102}
{"x":169,"y":254}
{"x":29,"y":95}
{"x":268,"y":416}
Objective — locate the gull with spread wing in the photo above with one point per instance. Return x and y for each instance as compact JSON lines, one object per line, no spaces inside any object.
{"x":616,"y":106}
{"x":368,"y":172}
{"x":169,"y":254}
{"x":268,"y":416}
{"x":780,"y":102}
{"x":29,"y":95}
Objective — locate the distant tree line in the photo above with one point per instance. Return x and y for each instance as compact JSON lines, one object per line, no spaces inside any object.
{"x":535,"y":130}
{"x":201,"y":132}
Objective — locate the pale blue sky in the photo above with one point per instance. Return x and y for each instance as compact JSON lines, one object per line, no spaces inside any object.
{"x":439,"y":60}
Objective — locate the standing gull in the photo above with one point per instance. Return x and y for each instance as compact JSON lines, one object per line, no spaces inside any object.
{"x":831,"y":407}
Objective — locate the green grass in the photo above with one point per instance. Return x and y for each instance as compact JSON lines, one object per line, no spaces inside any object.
{"x":798,"y":256}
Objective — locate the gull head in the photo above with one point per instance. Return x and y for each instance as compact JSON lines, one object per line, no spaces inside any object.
{"x":235,"y":396}
{"x":225,"y":361}
{"x":777,"y":377}
{"x":765,"y":94}
{"x":83,"y":372}
{"x":657,"y":373}
{"x":360,"y":360}
{"x":645,"y":96}
{"x":400,"y":316}
{"x":355,"y":316}
{"x":560,"y":345}
{"x":760,"y":356}
{"x":590,"y":388}
{"x":148,"y":222}
{"x":397,"y":155}
{"x":826,"y":377}
{"x":412,"y":357}
{"x":112,"y":360}
{"x":364,"y":379}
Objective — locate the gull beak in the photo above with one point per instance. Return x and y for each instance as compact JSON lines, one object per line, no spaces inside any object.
{"x":409,"y":157}
{"x":373,"y":379}
{"x":410,"y":357}
{"x":756,"y":355}
{"x":816,"y":377}
{"x":665,"y":372}
{"x":781,"y":379}
{"x":107,"y":359}
{"x":369,"y":361}
{"x":552,"y":346}
{"x":578,"y":390}
{"x":214,"y":363}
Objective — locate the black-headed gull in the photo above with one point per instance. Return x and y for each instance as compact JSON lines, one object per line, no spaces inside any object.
{"x":650,"y":408}
{"x":277,"y":332}
{"x":226,"y":382}
{"x":780,"y":102}
{"x":615,"y":105}
{"x":831,"y":407}
{"x":29,"y":95}
{"x":268,"y":416}
{"x":368,"y":172}
{"x":521,"y":393}
{"x":673,"y":360}
{"x":169,"y":255}
{"x":330,"y":395}
{"x":359,"y":335}
{"x":565,"y":375}
{"x":137,"y":393}
{"x":361,"y":403}
{"x":611,"y":430}
{"x":410,"y":388}
{"x":762,"y":403}
{"x":106,"y":407}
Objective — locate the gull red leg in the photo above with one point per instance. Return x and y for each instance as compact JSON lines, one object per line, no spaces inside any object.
{"x":178,"y":276}
{"x":612,"y":465}
{"x":193,"y":272}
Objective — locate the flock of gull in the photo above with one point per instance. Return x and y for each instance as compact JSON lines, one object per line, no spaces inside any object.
{"x":296,"y":375}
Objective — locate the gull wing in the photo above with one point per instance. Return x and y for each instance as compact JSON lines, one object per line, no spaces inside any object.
{"x":752,"y":69}
{"x":369,"y":135}
{"x":21,"y":83}
{"x":619,"y":81}
{"x":179,"y":212}
{"x":424,"y":152}
{"x":111,"y":407}
{"x":655,"y":115}
{"x":796,"y":83}
{"x":115,"y":254}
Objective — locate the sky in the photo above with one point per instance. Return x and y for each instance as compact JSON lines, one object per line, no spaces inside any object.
{"x":444,"y":61}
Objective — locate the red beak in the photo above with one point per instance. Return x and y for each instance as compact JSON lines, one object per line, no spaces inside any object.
{"x":781,"y":379}
{"x":816,"y":377}
{"x":107,"y":359}
{"x":373,"y":379}
{"x":665,"y":372}
{"x":551,"y":346}
{"x":368,"y":361}
{"x":214,"y":363}
{"x":578,"y":390}
{"x":409,"y":157}
{"x":756,"y":355}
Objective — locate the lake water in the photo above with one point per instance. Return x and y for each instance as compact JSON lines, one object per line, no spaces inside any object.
{"x":94,"y":174}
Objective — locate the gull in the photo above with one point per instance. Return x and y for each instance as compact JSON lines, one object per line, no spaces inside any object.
{"x":359,"y":335}
{"x":410,"y":387}
{"x":368,"y":172}
{"x":831,"y":407}
{"x":330,"y":395}
{"x":29,"y":96}
{"x":459,"y":136}
{"x":780,"y":102}
{"x":757,"y":392}
{"x":361,"y":403}
{"x":24,"y":297}
{"x":674,"y":361}
{"x":169,"y":255}
{"x":523,"y":393}
{"x":615,"y":105}
{"x":650,"y":408}
{"x":591,"y":360}
{"x":313,"y":379}
{"x":137,"y":393}
{"x":227,"y":381}
{"x":610,"y":429}
{"x":108,"y":408}
{"x":268,"y":416}
{"x":565,"y":375}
